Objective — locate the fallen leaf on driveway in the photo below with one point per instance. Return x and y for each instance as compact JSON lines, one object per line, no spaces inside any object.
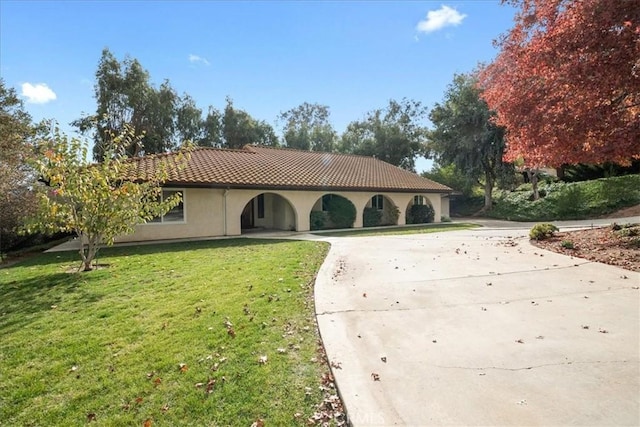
{"x":519,"y":341}
{"x":375,"y":376}
{"x":384,"y":359}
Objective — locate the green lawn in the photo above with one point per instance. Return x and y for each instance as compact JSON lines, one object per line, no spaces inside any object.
{"x":409,"y":229}
{"x":146,"y":339}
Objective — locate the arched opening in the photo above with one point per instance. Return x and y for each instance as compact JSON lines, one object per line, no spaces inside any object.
{"x":380,"y":210}
{"x":419,"y":210}
{"x":268,"y":211}
{"x":332,"y":211}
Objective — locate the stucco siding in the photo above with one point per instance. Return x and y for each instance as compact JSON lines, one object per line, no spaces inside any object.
{"x":217,"y":212}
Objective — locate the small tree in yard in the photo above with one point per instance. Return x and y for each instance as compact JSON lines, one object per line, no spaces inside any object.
{"x":101,"y":201}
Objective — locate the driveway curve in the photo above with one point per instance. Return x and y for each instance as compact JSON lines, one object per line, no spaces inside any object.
{"x":478,"y":327}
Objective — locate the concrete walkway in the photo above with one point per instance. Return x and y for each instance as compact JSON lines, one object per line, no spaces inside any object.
{"x":478,"y":327}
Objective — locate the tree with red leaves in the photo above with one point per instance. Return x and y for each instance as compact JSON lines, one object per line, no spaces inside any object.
{"x":566,"y":83}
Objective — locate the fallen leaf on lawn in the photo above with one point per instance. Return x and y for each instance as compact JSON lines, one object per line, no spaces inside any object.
{"x":282,"y":350}
{"x":150,"y":374}
{"x":231,"y":332}
{"x":262,"y":360}
{"x":73,"y":369}
{"x":165,"y":407}
{"x":210,"y":384}
{"x":183,"y":367}
{"x":53,"y":307}
{"x":258,"y":423}
{"x":198,"y":385}
{"x":139,"y":400}
{"x":91,"y":417}
{"x":297,"y":415}
{"x":157,"y":381}
{"x":375,"y":376}
{"x":227,"y":323}
{"x":147,"y":423}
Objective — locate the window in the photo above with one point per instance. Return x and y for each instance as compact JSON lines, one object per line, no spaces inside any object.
{"x":377,"y":202}
{"x":418,"y":200}
{"x":261,"y":206}
{"x":176,"y":214}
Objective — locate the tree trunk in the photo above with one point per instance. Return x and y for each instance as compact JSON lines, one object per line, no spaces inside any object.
{"x":488,"y":191}
{"x":89,"y":253}
{"x":533,"y":179}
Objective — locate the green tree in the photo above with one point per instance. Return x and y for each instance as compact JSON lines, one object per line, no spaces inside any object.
{"x":97,"y":202}
{"x":394,"y":134}
{"x":465,"y":135}
{"x":126,"y":97}
{"x":307,"y":127}
{"x":240,"y":129}
{"x":16,"y":178}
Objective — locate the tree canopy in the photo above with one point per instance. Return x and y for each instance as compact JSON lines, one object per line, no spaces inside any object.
{"x":97,"y":202}
{"x":307,"y":127}
{"x":465,"y":136}
{"x":16,"y":147}
{"x":394,"y":134}
{"x":566,"y":83}
{"x":240,"y":129}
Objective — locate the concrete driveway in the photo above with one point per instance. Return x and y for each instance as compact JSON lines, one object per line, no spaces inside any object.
{"x":478,"y":327}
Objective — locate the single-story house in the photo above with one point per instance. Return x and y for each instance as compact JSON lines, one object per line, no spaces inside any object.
{"x":229,"y":191}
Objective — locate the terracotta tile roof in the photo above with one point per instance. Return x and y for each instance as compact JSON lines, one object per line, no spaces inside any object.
{"x":283,"y":168}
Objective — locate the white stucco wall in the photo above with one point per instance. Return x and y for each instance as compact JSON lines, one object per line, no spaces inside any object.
{"x":217,"y":212}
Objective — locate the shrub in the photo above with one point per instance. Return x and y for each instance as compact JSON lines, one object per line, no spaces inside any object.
{"x":342,"y":213}
{"x":420,"y":214}
{"x":393,"y":213}
{"x":627,"y":232}
{"x":615,"y":226}
{"x":318,"y":220}
{"x":371,"y":217}
{"x":445,"y":219}
{"x":542,"y":231}
{"x":567,"y":244}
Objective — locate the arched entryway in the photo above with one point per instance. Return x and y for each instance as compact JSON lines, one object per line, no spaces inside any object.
{"x":268,"y":211}
{"x":332,"y":211}
{"x":380,"y":210}
{"x":419,"y":210}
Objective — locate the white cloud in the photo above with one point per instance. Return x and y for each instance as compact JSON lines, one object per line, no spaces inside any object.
{"x":195,"y":59}
{"x":38,"y":93}
{"x":438,"y":19}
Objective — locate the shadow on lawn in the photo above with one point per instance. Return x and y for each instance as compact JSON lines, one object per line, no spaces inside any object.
{"x":25,"y":300}
{"x":73,"y":258}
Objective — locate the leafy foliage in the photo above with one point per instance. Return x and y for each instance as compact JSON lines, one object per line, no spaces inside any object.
{"x":240,"y":129}
{"x":307,"y":127}
{"x":342,"y":213}
{"x":577,"y":200}
{"x":371,"y":217}
{"x":394,"y":134}
{"x":97,"y":202}
{"x":465,"y":136}
{"x":318,"y":220}
{"x":160,"y":119}
{"x":566,"y":84}
{"x":420,"y":214}
{"x":542,"y":231}
{"x":16,"y":177}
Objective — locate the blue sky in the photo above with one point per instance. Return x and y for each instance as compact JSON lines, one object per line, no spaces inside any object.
{"x":267,"y":56}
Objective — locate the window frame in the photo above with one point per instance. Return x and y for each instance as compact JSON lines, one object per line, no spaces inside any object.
{"x":377,"y":202}
{"x":161,"y":219}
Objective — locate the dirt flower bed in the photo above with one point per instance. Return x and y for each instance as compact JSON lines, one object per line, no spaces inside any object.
{"x":616,"y":245}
